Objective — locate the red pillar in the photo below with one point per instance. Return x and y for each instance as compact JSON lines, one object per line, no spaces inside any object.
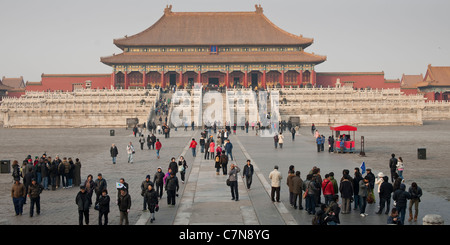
{"x":199,"y":77}
{"x":300,"y":78}
{"x":282,"y":79}
{"x":313,"y":78}
{"x":162,"y":79}
{"x":126,"y":80}
{"x":181,"y":78}
{"x":245,"y":80}
{"x":144,"y":82}
{"x":263,"y":84}
{"x":227,"y":82}
{"x":441,"y":96}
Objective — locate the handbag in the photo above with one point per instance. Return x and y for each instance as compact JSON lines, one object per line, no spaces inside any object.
{"x":228,"y":182}
{"x":305,"y":194}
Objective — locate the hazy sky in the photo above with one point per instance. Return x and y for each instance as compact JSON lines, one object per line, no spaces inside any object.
{"x":69,"y":37}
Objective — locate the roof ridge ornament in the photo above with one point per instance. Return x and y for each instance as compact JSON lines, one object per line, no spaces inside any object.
{"x":168,"y":9}
{"x":259,"y":9}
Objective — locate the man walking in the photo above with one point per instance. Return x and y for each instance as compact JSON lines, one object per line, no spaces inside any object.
{"x":114,"y":152}
{"x":18,"y":194}
{"x":124,"y":204}
{"x":229,"y":149}
{"x":171,"y":188}
{"x":82,"y":201}
{"x":248,"y":173}
{"x":393,"y":166}
{"x":34,"y":192}
{"x":193,"y":146}
{"x":130,"y":152}
{"x":276,"y":177}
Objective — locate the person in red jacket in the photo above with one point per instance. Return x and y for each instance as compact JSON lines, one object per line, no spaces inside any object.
{"x":193,"y":146}
{"x":327,"y":189}
{"x":158,"y":147}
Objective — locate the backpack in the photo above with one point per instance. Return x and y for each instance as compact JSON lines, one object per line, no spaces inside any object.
{"x":315,"y":220}
{"x":217,"y":158}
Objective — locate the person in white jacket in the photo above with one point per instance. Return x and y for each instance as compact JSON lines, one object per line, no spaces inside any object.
{"x":276,"y":177}
{"x":130,"y":152}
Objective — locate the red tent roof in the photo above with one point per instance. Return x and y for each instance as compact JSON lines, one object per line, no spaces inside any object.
{"x":344,"y":128}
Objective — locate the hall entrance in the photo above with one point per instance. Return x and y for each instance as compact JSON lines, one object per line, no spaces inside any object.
{"x":213,"y":81}
{"x":173,"y":79}
{"x":254,"y":80}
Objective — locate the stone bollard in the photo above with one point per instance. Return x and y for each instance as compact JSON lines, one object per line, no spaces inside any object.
{"x":432,"y":219}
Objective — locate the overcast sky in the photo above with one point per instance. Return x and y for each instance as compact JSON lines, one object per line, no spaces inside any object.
{"x":69,"y":37}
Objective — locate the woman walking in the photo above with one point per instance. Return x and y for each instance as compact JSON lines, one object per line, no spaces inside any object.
{"x":234,"y":170}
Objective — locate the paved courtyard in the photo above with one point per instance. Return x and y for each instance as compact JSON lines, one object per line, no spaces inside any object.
{"x":204,"y":198}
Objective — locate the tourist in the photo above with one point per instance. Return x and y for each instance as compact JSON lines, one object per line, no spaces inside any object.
{"x":357,"y":178}
{"x":77,"y":173}
{"x":334,"y":182}
{"x":248,"y":173}
{"x":217,"y":162}
{"x":27,"y":182}
{"x":202,"y":144}
{"x":65,"y":173}
{"x":297,"y":184}
{"x":293,"y":133}
{"x":158,"y":147}
{"x":100,"y":185}
{"x":149,"y":141}
{"x":229,"y":149}
{"x":103,"y":207}
{"x":371,"y":178}
{"x":211,"y":149}
{"x":346,"y":190}
{"x":363,"y":193}
{"x":291,"y":174}
{"x":310,"y":194}
{"x":45,"y":173}
{"x":334,"y":210}
{"x":124,"y":204}
{"x":130,"y":152}
{"x":171,"y":188}
{"x":89,"y":186}
{"x":319,"y":142}
{"x":313,"y":129}
{"x":158,"y":181}
{"x":416,"y":192}
{"x":152,"y":201}
{"x":331,"y":143}
{"x":83,"y":203}
{"x":224,"y":163}
{"x":122,"y":184}
{"x":142,"y":141}
{"x":400,"y":167}
{"x":16,"y":173}
{"x":276,"y":177}
{"x":153,"y":141}
{"x":319,"y":217}
{"x":52,"y":172}
{"x":173,"y":165}
{"x":275,"y":140}
{"x":281,"y":140}
{"x":182,"y":166}
{"x":193,"y":147}
{"x":34,"y":193}
{"x":318,"y":181}
{"x":393,"y":166}
{"x":393,"y":219}
{"x":232,"y":177}
{"x":18,"y":194}
{"x":385,"y":195}
{"x":71,"y":171}
{"x":328,"y":189}
{"x":144,"y":187}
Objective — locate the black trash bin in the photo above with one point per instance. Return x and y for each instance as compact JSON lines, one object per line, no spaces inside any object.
{"x":422,"y":153}
{"x":5,"y":166}
{"x":111,"y":132}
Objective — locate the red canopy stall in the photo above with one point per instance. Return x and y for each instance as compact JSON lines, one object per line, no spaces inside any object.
{"x":344,"y":140}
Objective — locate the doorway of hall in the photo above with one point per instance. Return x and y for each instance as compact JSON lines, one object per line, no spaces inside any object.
{"x":173,"y":79}
{"x":213,"y":82}
{"x":254,"y":80}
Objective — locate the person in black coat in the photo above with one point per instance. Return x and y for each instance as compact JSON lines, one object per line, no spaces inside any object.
{"x":171,"y":188}
{"x":401,"y":197}
{"x":386,"y":190}
{"x":114,"y":152}
{"x":248,"y":173}
{"x":103,"y":207}
{"x":152,"y":201}
{"x":346,"y":190}
{"x":82,"y":201}
{"x":158,"y":181}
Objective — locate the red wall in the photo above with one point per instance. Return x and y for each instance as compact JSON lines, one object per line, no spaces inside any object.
{"x":65,"y":82}
{"x":361,"y":80}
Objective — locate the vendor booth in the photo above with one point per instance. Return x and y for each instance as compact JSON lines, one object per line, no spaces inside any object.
{"x":348,"y":144}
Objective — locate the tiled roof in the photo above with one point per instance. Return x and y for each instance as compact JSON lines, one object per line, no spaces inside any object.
{"x":213,"y":28}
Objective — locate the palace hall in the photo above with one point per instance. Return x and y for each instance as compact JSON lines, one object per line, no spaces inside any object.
{"x":217,"y":50}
